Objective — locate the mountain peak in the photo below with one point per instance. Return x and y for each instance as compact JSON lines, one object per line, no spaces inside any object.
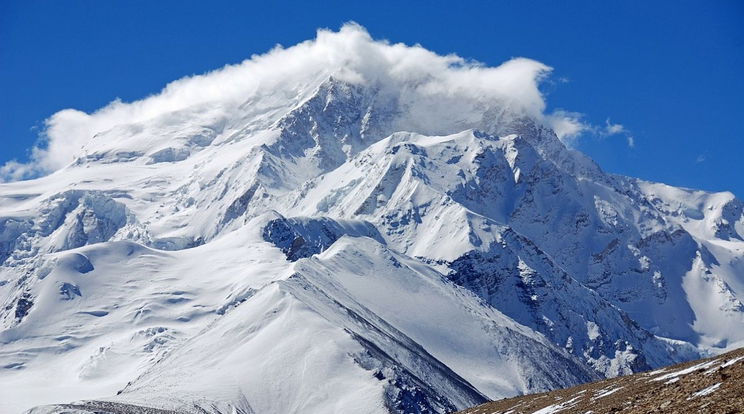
{"x":440,"y":94}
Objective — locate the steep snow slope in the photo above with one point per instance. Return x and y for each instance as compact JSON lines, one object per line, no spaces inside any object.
{"x":106,"y":312}
{"x":187,"y":339}
{"x":465,"y":190}
{"x":379,"y":229}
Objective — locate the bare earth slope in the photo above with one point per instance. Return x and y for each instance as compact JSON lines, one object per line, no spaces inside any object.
{"x":713,"y":385}
{"x":370,"y":229}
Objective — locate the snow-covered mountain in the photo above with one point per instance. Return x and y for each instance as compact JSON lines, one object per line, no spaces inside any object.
{"x":347,"y":225}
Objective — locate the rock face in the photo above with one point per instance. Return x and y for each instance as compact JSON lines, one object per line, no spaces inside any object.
{"x":712,"y":385}
{"x":351,"y":245}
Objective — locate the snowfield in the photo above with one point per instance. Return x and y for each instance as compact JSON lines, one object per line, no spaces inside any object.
{"x":347,"y":225}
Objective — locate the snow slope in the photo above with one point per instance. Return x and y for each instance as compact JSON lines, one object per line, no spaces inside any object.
{"x":377,"y":229}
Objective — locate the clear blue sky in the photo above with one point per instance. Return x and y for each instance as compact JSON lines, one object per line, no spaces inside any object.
{"x":669,"y":71}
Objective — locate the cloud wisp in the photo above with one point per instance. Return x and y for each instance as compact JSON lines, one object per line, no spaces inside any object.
{"x":441,"y":93}
{"x":571,"y":126}
{"x":612,"y":129}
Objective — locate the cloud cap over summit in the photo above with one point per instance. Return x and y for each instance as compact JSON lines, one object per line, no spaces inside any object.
{"x":442,"y":94}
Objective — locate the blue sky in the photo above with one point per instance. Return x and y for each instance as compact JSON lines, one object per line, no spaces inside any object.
{"x":669,"y":72}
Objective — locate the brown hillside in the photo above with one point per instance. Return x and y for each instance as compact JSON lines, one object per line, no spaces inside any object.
{"x":712,"y":385}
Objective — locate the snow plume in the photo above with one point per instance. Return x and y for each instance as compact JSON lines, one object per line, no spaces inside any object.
{"x":440,"y":94}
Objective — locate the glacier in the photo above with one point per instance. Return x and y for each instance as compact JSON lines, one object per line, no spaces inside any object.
{"x":346,"y":225}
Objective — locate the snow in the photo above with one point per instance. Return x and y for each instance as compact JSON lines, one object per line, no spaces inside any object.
{"x":592,"y":330}
{"x":706,"y":391}
{"x":604,"y":393}
{"x":732,"y":361}
{"x":679,"y":373}
{"x":555,"y":408}
{"x":382,"y":283}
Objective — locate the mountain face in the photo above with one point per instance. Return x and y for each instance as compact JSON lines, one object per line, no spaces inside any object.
{"x":346,"y":245}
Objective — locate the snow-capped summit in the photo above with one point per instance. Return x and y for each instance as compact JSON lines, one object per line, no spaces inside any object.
{"x":347,"y":225}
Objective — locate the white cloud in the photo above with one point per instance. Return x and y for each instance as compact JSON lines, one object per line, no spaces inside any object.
{"x":442,"y":93}
{"x":14,"y":170}
{"x":568,"y":126}
{"x":571,"y":126}
{"x":613,"y":129}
